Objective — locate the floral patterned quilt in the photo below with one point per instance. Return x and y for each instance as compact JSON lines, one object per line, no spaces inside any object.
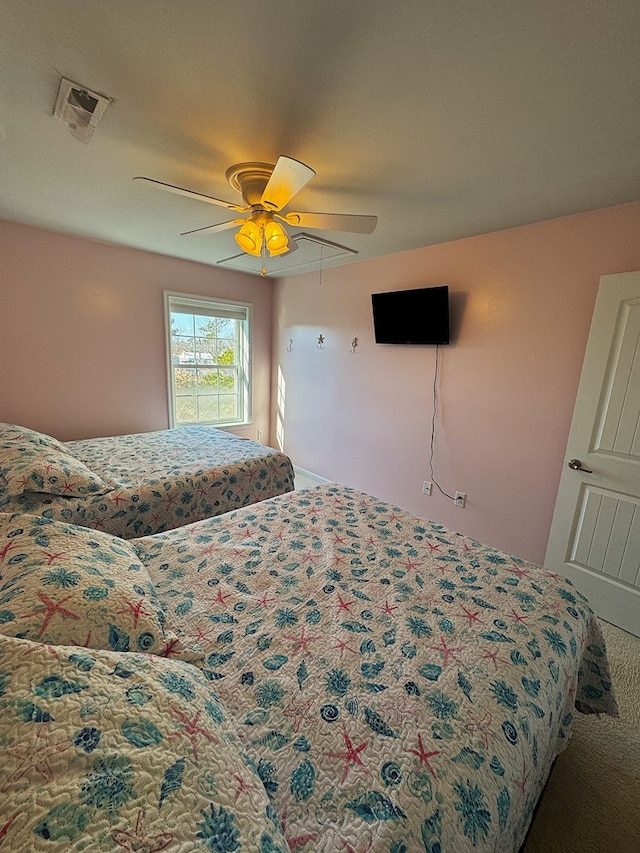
{"x":135,"y":485}
{"x":398,"y":687}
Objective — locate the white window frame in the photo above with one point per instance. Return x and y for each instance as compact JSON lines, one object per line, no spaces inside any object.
{"x":212,"y":307}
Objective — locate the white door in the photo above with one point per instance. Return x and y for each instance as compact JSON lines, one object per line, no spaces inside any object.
{"x":595,"y":534}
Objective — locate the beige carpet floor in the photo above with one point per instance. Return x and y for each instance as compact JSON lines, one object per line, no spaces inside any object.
{"x":592,"y":800}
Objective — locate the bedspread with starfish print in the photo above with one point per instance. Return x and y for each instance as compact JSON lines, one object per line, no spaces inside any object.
{"x":399,"y":687}
{"x":152,"y":481}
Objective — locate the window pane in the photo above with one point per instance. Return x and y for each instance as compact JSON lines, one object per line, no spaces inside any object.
{"x":209,"y":355}
{"x":229,"y":406}
{"x":205,"y":326}
{"x":227,"y":379}
{"x":181,"y":324}
{"x":185,"y":410}
{"x":184,"y":381}
{"x":207,"y":380}
{"x":208,"y":409}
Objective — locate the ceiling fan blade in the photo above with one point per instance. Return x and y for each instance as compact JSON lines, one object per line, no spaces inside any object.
{"x":287,"y":179}
{"x":334,"y":221}
{"x":191,"y":194}
{"x":210,"y":229}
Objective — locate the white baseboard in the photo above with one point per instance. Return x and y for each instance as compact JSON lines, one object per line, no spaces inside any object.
{"x":314,"y":479}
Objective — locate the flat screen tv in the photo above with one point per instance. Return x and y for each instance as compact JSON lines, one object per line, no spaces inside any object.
{"x":419,"y":316}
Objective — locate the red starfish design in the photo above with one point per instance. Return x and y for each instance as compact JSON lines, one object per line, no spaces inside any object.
{"x":192,"y":729}
{"x":522,"y":573}
{"x":35,"y":756}
{"x":170,"y":500}
{"x":301,"y":642}
{"x":220,"y":597}
{"x":201,"y":634}
{"x":518,"y":616}
{"x":372,"y":541}
{"x":389,"y":608}
{"x":140,"y":839}
{"x":492,"y":656}
{"x":471,"y":617}
{"x":298,"y":711}
{"x":10,"y":544}
{"x":172,"y":647}
{"x":248,"y":534}
{"x":481,"y":726}
{"x":137,"y":610}
{"x":265,"y":601}
{"x":52,"y":557}
{"x":243,"y":785}
{"x":343,"y":645}
{"x":432,"y":547}
{"x":411,"y":565}
{"x":351,"y":756}
{"x":447,"y":651}
{"x":344,"y":605}
{"x":338,"y":540}
{"x":117,"y":499}
{"x":50,"y":609}
{"x":423,"y":757}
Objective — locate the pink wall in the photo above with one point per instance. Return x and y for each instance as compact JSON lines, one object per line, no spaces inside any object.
{"x":522,"y":301}
{"x":82,"y":347}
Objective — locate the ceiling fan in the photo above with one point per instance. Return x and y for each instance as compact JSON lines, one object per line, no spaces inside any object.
{"x":266,"y":190}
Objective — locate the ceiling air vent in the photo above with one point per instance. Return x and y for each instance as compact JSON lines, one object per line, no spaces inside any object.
{"x":80,"y":109}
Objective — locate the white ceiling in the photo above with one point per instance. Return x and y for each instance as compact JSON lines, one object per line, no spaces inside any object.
{"x":445,"y":118}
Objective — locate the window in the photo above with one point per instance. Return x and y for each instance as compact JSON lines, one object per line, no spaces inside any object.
{"x":208,"y":360}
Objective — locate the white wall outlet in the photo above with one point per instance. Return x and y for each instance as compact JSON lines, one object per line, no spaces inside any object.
{"x":426,"y":487}
{"x":260,"y":434}
{"x":460,"y":499}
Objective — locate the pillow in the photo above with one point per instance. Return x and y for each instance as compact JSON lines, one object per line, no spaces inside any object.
{"x":29,"y":467}
{"x":10,"y":433}
{"x":69,"y":585}
{"x":105,"y":751}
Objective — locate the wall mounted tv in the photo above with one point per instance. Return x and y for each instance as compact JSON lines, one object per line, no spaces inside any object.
{"x":419,"y":316}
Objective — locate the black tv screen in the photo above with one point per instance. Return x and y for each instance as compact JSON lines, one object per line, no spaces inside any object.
{"x":419,"y":316}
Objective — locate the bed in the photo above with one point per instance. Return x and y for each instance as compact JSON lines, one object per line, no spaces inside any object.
{"x":392,"y":686}
{"x":133,"y":485}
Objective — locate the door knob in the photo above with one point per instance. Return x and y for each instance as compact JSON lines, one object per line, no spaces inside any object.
{"x":576,"y":465}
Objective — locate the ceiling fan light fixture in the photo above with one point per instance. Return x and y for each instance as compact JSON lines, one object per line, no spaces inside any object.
{"x":249,"y":238}
{"x":276,"y":238}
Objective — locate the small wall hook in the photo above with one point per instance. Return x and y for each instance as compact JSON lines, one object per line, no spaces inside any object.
{"x":320,"y":343}
{"x":290,"y":346}
{"x":354,"y":344}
